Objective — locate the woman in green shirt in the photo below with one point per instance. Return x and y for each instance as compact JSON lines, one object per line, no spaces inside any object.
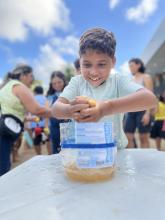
{"x":16,"y":99}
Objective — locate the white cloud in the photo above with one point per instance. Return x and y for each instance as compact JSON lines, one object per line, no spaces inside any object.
{"x":47,"y":62}
{"x":143,"y":11}
{"x":16,"y":18}
{"x":19,"y":60}
{"x":124,"y":68}
{"x":51,"y":56}
{"x":68,"y":45}
{"x":113,"y":3}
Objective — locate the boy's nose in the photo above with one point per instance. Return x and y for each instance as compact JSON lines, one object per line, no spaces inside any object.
{"x":93,"y":72}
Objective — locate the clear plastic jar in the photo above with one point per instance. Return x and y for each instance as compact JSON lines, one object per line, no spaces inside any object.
{"x":87,"y":162}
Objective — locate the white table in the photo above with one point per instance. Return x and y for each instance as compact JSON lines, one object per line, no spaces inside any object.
{"x":37,"y":189}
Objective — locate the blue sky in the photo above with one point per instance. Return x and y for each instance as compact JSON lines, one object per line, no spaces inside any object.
{"x":45,"y":34}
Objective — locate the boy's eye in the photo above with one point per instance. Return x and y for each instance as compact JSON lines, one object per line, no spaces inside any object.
{"x":86,"y":65}
{"x":102,"y":65}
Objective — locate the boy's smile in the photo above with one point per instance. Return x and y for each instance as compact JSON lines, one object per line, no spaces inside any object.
{"x":96,"y":66}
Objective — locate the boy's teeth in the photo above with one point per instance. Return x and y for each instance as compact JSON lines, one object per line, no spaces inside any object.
{"x":94,"y":79}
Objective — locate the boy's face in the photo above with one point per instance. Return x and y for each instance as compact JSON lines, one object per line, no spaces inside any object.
{"x":96,"y":67}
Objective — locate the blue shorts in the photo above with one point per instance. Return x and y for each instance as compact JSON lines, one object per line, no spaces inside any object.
{"x":156,"y":130}
{"x":132,"y":122}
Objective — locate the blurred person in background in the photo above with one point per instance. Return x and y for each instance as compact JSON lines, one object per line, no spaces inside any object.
{"x":56,"y":86}
{"x":16,"y":146}
{"x":138,"y":120}
{"x":15,"y":100}
{"x":158,"y":127}
{"x":39,"y":125}
{"x":77,"y":66}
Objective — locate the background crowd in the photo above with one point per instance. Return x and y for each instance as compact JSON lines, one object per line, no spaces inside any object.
{"x":40,"y":129}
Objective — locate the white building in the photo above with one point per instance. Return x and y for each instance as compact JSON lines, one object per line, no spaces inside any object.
{"x":154,"y":58}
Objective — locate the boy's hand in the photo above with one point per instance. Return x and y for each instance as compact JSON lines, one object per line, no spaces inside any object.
{"x":79,"y":100}
{"x":92,"y":114}
{"x":76,"y":106}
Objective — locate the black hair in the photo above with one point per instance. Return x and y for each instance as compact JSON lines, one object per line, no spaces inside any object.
{"x":77,"y":64}
{"x":138,"y":61}
{"x":54,"y":74}
{"x":16,"y":73}
{"x":38,"y":90}
{"x":99,"y":40}
{"x":161,"y":99}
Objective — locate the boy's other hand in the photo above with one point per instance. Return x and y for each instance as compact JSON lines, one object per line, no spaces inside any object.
{"x":76,"y":106}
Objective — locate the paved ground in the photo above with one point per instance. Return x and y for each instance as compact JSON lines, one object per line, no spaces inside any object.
{"x":27,"y":153}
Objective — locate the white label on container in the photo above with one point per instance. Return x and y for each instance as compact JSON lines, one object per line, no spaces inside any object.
{"x":96,"y":158}
{"x":93,"y":133}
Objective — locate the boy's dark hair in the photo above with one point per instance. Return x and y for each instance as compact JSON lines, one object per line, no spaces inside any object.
{"x":77,"y":64}
{"x":138,"y":61}
{"x":99,"y":40}
{"x":54,"y":74}
{"x":38,"y":90}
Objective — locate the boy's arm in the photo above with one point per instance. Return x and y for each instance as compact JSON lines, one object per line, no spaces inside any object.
{"x":63,"y":109}
{"x":60,"y":109}
{"x":141,"y":100}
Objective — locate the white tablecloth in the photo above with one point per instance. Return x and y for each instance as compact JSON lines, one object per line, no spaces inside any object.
{"x":37,"y":189}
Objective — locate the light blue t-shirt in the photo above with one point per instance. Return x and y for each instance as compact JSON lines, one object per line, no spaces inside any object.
{"x":117,"y":85}
{"x":41,"y":99}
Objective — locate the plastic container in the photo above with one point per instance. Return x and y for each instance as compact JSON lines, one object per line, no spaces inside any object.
{"x":88,"y":151}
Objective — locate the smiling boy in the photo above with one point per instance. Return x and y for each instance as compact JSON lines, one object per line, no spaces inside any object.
{"x":115,"y":93}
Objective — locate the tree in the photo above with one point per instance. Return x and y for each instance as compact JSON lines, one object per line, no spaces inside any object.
{"x":69,"y":72}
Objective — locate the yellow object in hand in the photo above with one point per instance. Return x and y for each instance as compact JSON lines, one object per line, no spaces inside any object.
{"x":92,"y":102}
{"x":46,"y":131}
{"x":36,"y":119}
